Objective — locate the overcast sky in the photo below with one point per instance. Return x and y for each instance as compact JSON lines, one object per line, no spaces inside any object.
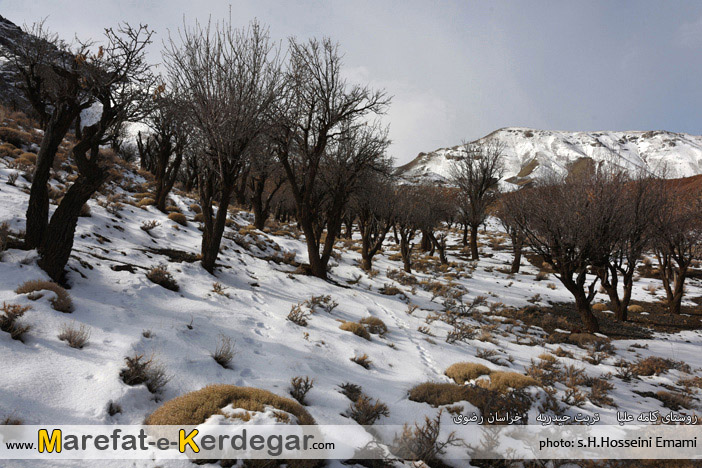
{"x":459,"y":70}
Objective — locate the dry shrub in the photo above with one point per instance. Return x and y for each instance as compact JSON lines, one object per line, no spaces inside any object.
{"x":422,"y":444}
{"x":218,"y":288}
{"x":547,"y":371}
{"x":299,"y":386}
{"x":365,"y":411}
{"x":599,"y":392}
{"x":363,"y":360}
{"x":673,"y":401}
{"x":542,"y":275}
{"x":224,"y":352}
{"x":351,"y":390}
{"x":62,"y":302}
{"x":487,"y":400}
{"x":356,"y":328}
{"x":298,"y":315}
{"x":10,"y":421}
{"x":390,"y":290}
{"x":162,"y":277}
{"x":195,"y":208}
{"x":8,"y":320}
{"x":655,"y":366}
{"x":75,"y":337}
{"x":323,"y":301}
{"x":195,"y":407}
{"x":14,"y":136}
{"x":172,"y":209}
{"x":462,"y":372}
{"x":147,"y":226}
{"x":582,"y":340}
{"x":178,"y":218}
{"x":374,"y":325}
{"x":635,"y":309}
{"x":600,"y":307}
{"x":139,"y":371}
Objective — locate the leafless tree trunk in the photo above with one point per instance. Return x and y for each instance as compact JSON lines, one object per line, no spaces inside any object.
{"x":119,"y":80}
{"x":50,"y":74}
{"x":477,"y":175}
{"x":323,"y":146}
{"x":233,"y":82}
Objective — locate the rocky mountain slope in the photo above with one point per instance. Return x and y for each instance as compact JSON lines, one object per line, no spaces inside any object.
{"x":531,"y":154}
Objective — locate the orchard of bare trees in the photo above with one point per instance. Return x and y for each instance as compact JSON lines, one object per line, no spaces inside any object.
{"x":277,"y":129}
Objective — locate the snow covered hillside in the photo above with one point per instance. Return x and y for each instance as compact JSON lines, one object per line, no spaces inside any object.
{"x":430,"y":323}
{"x":531,"y":154}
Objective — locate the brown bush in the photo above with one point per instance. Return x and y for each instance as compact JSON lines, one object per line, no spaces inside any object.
{"x":162,"y":277}
{"x":62,"y":302}
{"x":655,"y":365}
{"x":199,"y":218}
{"x":299,"y":387}
{"x":366,"y":412}
{"x":195,"y":208}
{"x":599,"y":392}
{"x":374,"y":325}
{"x":422,"y":444}
{"x":351,"y":391}
{"x":356,"y":328}
{"x":298,"y":315}
{"x":8,"y":320}
{"x":144,"y":371}
{"x":178,"y":218}
{"x":462,"y":372}
{"x":673,"y":401}
{"x":600,"y":307}
{"x":14,"y":136}
{"x":635,"y":308}
{"x":195,"y":407}
{"x":488,"y":401}
{"x":363,"y":360}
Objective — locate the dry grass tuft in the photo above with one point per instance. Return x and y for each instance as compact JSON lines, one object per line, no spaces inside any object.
{"x":62,"y":302}
{"x":75,"y":337}
{"x":178,"y":218}
{"x":503,"y":382}
{"x":374,"y":325}
{"x":462,"y":372}
{"x":356,"y":328}
{"x":224,"y":352}
{"x":195,"y":407}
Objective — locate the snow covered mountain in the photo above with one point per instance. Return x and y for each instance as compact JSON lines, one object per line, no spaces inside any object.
{"x":531,"y":154}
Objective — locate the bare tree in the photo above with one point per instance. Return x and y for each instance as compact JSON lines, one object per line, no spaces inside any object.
{"x":119,"y":81}
{"x":412,"y":214}
{"x":374,"y":207}
{"x":515,"y":236}
{"x":441,"y":204}
{"x":52,"y":76}
{"x":571,"y":225}
{"x":325,"y":144}
{"x":264,"y":179}
{"x":161,"y":152}
{"x":677,"y":239}
{"x":638,"y":202}
{"x":232,"y":80}
{"x":477,"y":175}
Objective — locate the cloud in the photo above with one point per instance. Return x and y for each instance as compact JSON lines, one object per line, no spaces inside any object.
{"x":690,"y":34}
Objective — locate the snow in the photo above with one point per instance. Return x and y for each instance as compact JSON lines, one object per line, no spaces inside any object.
{"x":45,"y":381}
{"x":91,"y":115}
{"x":675,"y":154}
